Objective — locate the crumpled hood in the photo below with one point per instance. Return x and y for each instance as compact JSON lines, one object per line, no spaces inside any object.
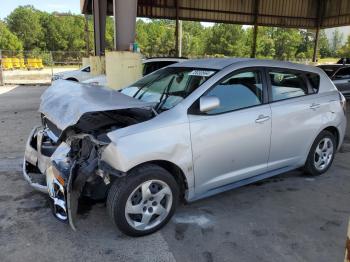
{"x":64,"y":102}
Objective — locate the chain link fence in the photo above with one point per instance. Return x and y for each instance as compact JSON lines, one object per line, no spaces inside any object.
{"x":36,"y":67}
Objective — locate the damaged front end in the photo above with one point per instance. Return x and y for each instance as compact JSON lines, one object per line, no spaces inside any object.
{"x":63,"y":156}
{"x":77,"y":170}
{"x":67,"y":171}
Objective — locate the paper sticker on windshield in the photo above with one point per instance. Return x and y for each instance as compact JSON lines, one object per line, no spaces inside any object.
{"x":203,"y":73}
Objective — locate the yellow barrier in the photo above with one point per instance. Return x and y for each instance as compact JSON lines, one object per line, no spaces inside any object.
{"x":21,"y":63}
{"x":7,"y":63}
{"x":15,"y":63}
{"x":39,"y":63}
{"x":34,"y":63}
{"x":31,"y":64}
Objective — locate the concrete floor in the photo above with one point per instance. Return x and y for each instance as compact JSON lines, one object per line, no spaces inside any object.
{"x":291,"y":217}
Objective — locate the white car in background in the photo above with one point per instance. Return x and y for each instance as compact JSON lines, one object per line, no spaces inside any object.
{"x":149,"y":65}
{"x":79,"y":75}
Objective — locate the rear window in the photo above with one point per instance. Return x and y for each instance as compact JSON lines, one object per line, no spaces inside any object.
{"x":287,"y":84}
{"x":314,"y":80}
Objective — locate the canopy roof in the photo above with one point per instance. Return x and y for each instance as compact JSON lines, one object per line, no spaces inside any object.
{"x":278,"y":13}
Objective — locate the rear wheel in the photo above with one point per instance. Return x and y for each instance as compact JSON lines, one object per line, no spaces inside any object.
{"x":321,"y":155}
{"x":143,"y":201}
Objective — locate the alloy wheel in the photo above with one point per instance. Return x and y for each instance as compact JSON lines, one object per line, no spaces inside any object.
{"x":323,"y":154}
{"x":148,"y":205}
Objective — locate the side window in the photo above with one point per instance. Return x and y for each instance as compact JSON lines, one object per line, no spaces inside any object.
{"x":86,"y":69}
{"x":239,"y":91}
{"x":314,"y":80}
{"x":343,"y":73}
{"x":287,"y":84}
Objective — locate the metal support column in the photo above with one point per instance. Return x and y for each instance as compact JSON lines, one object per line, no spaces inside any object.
{"x":87,"y":35}
{"x":314,"y":57}
{"x":255,"y":36}
{"x":99,"y":10}
{"x":178,"y":40}
{"x":320,"y":14}
{"x":255,"y":30}
{"x":178,"y":32}
{"x":125,"y":12}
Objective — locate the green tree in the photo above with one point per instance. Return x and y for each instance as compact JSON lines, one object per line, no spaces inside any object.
{"x":345,"y":50}
{"x":227,"y":40}
{"x":54,"y":35}
{"x":324,"y":46}
{"x":286,"y":41}
{"x":24,"y":22}
{"x":74,"y":33}
{"x":156,"y":38}
{"x":336,"y":41}
{"x":9,"y":41}
{"x":265,"y":45}
{"x":193,"y":34}
{"x":109,"y":33}
{"x":306,"y":45}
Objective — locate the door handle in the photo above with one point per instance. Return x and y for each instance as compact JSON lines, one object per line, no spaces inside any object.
{"x":314,"y":106}
{"x":262,"y":119}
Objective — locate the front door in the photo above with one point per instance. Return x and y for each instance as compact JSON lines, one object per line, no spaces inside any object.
{"x":231,"y":142}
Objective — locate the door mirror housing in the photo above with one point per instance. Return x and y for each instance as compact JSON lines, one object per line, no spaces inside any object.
{"x":207,"y":103}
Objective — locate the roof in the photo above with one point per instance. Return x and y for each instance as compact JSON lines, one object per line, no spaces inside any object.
{"x":211,"y":63}
{"x":280,"y":13}
{"x":221,"y":63}
{"x":163,"y":59}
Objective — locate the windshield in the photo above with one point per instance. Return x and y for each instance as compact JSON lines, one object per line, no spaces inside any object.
{"x":169,"y":86}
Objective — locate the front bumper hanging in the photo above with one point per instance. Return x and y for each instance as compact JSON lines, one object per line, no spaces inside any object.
{"x":50,"y":168}
{"x":34,"y":163}
{"x":42,"y":172}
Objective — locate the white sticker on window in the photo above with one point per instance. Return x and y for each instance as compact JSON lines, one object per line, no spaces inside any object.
{"x":203,"y":73}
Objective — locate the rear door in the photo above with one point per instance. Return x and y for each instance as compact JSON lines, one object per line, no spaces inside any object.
{"x":296,"y":115}
{"x":232,"y":142}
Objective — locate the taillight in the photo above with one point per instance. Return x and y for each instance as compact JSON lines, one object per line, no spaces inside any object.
{"x":342,"y":102}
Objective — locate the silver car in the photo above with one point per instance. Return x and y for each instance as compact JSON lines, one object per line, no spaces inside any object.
{"x":182,"y":133}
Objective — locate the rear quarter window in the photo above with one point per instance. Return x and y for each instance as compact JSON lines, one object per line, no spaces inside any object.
{"x":286,"y":84}
{"x":314,"y":80}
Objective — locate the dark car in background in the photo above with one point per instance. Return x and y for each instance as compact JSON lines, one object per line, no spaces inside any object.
{"x":340,"y":76}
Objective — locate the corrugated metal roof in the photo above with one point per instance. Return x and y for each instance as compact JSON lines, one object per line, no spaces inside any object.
{"x":281,"y":13}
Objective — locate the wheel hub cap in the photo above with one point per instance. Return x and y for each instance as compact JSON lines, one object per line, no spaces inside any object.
{"x":148,"y":205}
{"x":323,"y":154}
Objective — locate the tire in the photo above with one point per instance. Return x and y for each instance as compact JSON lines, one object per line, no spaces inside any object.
{"x":313,"y":165}
{"x":138,"y":191}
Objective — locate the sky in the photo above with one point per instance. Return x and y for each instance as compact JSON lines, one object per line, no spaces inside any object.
{"x":7,"y":6}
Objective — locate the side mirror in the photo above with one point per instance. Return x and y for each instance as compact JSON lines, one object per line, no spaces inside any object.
{"x":207,"y":103}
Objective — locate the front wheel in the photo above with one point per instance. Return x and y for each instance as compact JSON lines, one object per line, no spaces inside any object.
{"x":321,"y":155}
{"x":143,"y":201}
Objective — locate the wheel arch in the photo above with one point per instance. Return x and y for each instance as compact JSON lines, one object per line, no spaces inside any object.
{"x":173,"y":169}
{"x":334,"y":130}
{"x":72,"y":79}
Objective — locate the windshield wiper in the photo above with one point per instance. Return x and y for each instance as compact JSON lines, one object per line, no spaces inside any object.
{"x":165,"y":93}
